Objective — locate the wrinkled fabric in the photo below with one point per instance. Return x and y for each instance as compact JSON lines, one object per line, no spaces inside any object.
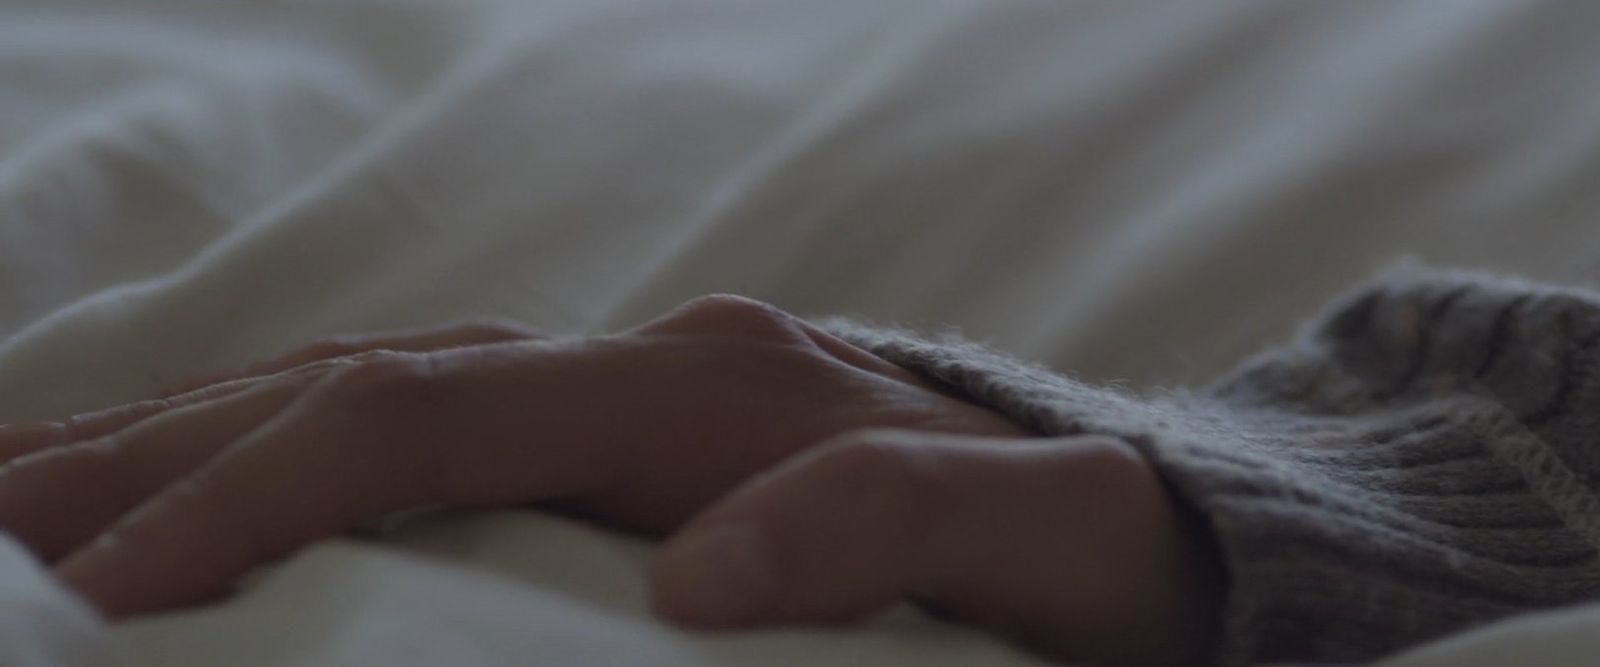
{"x":1130,"y":193}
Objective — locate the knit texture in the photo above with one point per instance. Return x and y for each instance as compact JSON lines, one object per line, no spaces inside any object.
{"x":1420,"y":461}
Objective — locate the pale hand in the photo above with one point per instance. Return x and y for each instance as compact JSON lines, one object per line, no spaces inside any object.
{"x":798,"y":479}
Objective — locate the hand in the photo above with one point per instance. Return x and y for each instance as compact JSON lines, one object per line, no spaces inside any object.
{"x":164,"y":503}
{"x":640,"y":430}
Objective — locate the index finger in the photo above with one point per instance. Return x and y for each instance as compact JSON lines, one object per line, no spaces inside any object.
{"x":373,"y":439}
{"x":413,"y":340}
{"x":312,"y":472}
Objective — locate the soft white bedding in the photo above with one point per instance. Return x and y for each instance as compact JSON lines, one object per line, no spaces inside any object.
{"x":1131,"y":192}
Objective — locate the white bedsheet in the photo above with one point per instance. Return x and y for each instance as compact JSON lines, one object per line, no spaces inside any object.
{"x":1135,"y":193}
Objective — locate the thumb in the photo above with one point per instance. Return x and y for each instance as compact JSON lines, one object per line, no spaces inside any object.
{"x":1070,"y":546}
{"x":844,"y":529}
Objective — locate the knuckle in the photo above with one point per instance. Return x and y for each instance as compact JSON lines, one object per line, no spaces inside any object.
{"x":339,"y":364}
{"x":381,"y":358}
{"x":379,"y":380}
{"x":325,"y":348}
{"x":727,"y":313}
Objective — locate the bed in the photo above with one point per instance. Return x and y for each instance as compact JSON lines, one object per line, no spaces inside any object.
{"x":1132,"y":193}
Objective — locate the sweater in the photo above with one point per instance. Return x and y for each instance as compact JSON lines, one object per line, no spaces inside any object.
{"x":1422,"y":459}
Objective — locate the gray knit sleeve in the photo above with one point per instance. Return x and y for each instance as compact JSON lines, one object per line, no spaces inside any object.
{"x":1422,"y":460}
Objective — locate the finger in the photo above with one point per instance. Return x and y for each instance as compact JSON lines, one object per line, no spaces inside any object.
{"x":101,"y":423}
{"x":417,"y":340}
{"x":1065,"y":545}
{"x":20,"y":440}
{"x":870,"y":519}
{"x":844,"y":529}
{"x":421,"y":340}
{"x":23,"y":439}
{"x":321,"y":467}
{"x":54,"y":501}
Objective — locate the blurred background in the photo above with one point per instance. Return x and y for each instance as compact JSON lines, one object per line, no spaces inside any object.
{"x":1132,"y":192}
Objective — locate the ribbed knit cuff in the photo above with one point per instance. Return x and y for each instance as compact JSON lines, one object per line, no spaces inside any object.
{"x":1416,"y":464}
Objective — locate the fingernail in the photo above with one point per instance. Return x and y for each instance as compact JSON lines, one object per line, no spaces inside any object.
{"x":718,"y":576}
